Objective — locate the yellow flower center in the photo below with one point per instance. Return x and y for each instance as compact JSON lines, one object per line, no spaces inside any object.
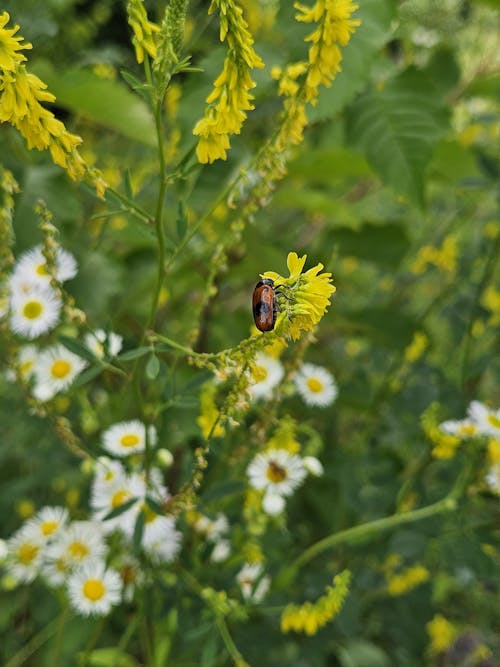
{"x":109,"y":476}
{"x":48,"y":527}
{"x":494,"y":421}
{"x":467,"y":429}
{"x":78,"y":550}
{"x":93,"y":589}
{"x":314,"y":385}
{"x":32,"y":310}
{"x":129,"y":440}
{"x":259,"y":373}
{"x":149,"y":514}
{"x":275,"y":473}
{"x":60,"y":368}
{"x":119,"y":498}
{"x":41,"y":269}
{"x":27,"y":552}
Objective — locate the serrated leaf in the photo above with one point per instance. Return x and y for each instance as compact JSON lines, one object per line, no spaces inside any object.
{"x":108,"y":103}
{"x":397,"y":128}
{"x":78,"y":348}
{"x":133,"y":354}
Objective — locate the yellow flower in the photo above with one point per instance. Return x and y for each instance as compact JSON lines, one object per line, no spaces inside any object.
{"x":21,"y":95}
{"x":311,"y":616}
{"x":207,"y":421}
{"x":494,"y":451}
{"x":335,"y":27}
{"x":144,"y":30}
{"x":416,"y":348}
{"x":230,"y":97}
{"x":306,"y":295}
{"x":10,"y":46}
{"x":407,"y":580}
{"x":441,"y":634}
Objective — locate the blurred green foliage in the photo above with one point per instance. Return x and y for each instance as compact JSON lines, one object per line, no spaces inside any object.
{"x":401,"y":154}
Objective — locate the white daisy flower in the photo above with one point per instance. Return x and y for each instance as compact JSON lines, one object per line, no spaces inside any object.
{"x":221,"y":551}
{"x":165,"y":549}
{"x":32,"y":266}
{"x":93,"y":590}
{"x":34,"y":312}
{"x":313,"y":466}
{"x":253,"y":585}
{"x":486,"y":419}
{"x":276,"y":471}
{"x":107,"y":496}
{"x":462,"y":428}
{"x":107,"y":472}
{"x":493,"y":478}
{"x":316,"y":385}
{"x":80,"y":543}
{"x":265,"y":375}
{"x":103,"y":344}
{"x":49,"y":521}
{"x":156,"y":527}
{"x":127,"y":438}
{"x":4,"y":550}
{"x":212,"y":529}
{"x":25,"y":554}
{"x":55,"y":370}
{"x":24,"y":365}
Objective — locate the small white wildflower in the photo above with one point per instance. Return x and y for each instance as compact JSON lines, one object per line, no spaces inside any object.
{"x":253,"y":585}
{"x":55,"y":370}
{"x":34,"y":312}
{"x":93,"y":590}
{"x":276,"y":471}
{"x":125,"y":438}
{"x":265,"y":375}
{"x":486,"y":419}
{"x":103,"y":344}
{"x":315,"y":385}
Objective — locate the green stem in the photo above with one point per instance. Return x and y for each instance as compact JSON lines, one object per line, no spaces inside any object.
{"x":231,"y":647}
{"x":130,"y":206}
{"x":481,"y":286}
{"x":60,"y":634}
{"x":34,"y":644}
{"x":366,"y":530}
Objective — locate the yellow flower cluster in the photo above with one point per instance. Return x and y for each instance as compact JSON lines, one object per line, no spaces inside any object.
{"x":443,"y":258}
{"x":335,"y":27}
{"x":209,"y":413}
{"x":444,"y":444}
{"x":306,"y":295}
{"x":441,"y":634}
{"x":312,"y":616}
{"x":491,"y":301}
{"x":230,"y":98}
{"x":284,"y":437}
{"x":8,"y":187}
{"x":144,"y":30}
{"x":416,"y":348}
{"x":402,"y":582}
{"x":21,"y":94}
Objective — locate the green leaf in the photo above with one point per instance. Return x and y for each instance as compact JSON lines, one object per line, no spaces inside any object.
{"x":120,"y":509}
{"x":78,"y":348}
{"x":223,"y":489}
{"x":133,"y":354}
{"x":381,"y":244}
{"x":154,"y":505}
{"x":360,"y":653}
{"x":108,"y":103}
{"x":397,"y":128}
{"x":138,"y":531}
{"x":152,"y":367}
{"x":87,"y":375}
{"x":110,"y":657}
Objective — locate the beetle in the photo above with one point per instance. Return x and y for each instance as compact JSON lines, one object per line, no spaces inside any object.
{"x":265,"y":305}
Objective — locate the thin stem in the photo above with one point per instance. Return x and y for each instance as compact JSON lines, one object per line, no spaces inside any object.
{"x":231,"y":647}
{"x":366,"y":530}
{"x":60,"y":633}
{"x":130,"y":206}
{"x":34,"y":644}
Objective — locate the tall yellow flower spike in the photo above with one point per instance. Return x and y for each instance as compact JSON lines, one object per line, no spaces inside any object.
{"x":21,"y":95}
{"x":230,"y":99}
{"x":306,"y":296}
